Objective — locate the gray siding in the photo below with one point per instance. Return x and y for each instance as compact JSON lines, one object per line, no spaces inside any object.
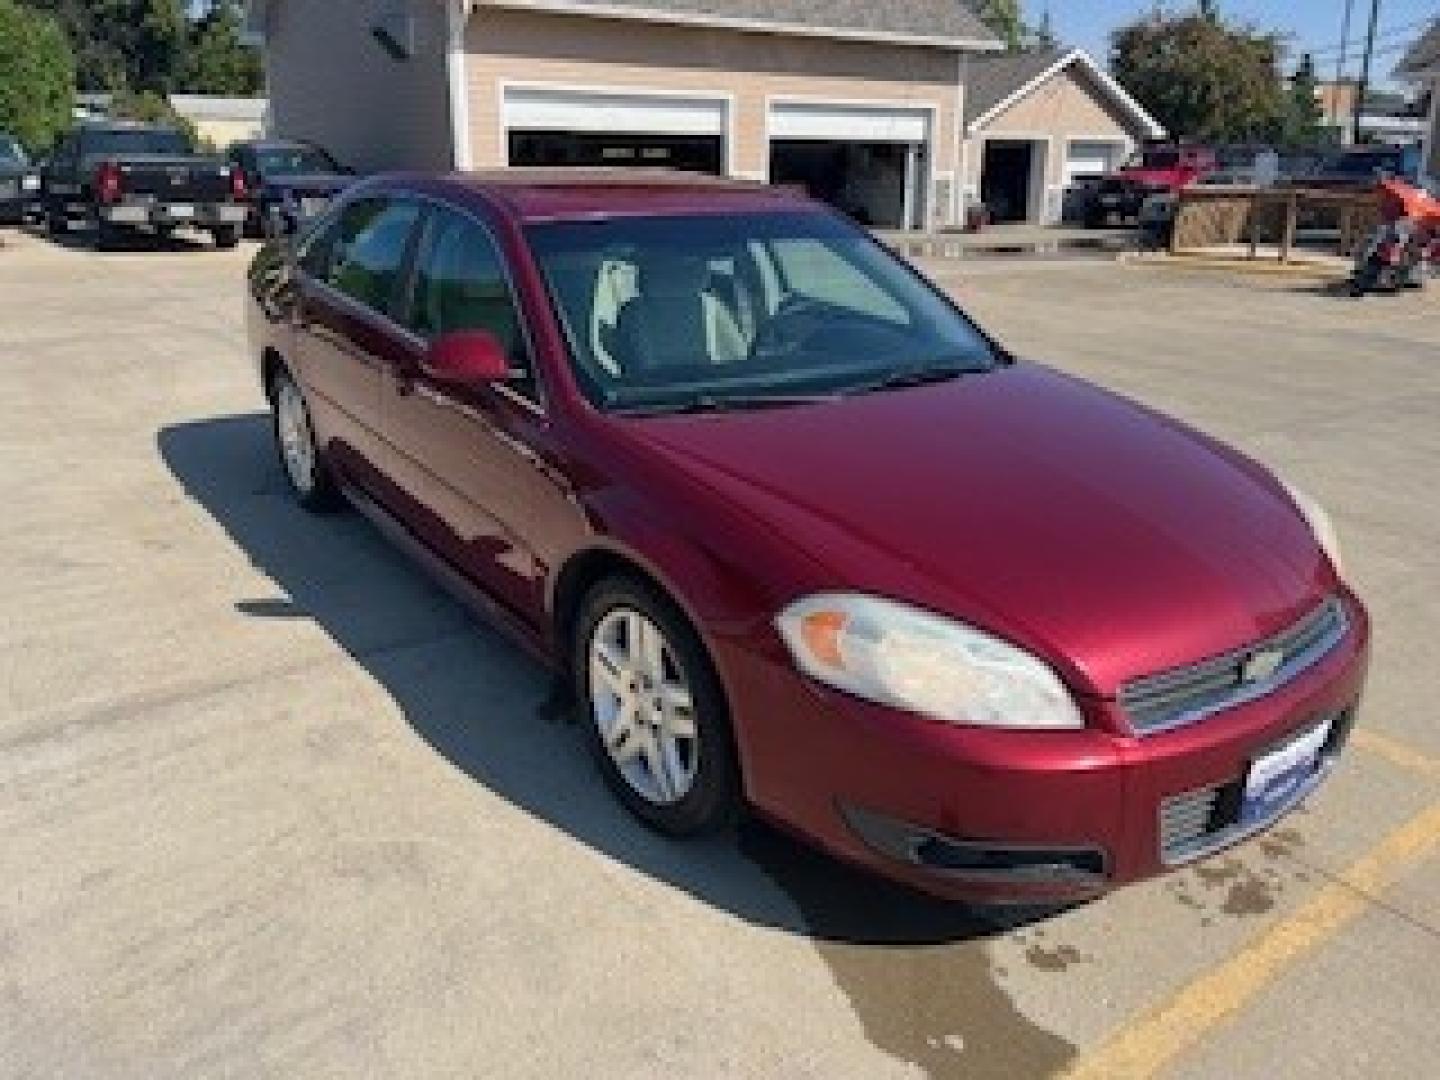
{"x":331,"y":82}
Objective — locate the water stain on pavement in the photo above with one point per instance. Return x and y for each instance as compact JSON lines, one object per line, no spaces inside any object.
{"x":1057,"y":959}
{"x":917,"y":971}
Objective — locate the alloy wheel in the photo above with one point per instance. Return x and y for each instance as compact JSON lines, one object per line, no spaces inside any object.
{"x":297,"y":443}
{"x":643,"y":707}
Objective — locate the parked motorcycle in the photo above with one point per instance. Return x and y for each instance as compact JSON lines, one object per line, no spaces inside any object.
{"x":1400,"y":255}
{"x":1405,"y":249}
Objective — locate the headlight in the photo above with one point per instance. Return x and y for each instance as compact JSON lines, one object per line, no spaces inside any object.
{"x":1320,"y":524}
{"x":897,"y":655}
{"x":29,"y":182}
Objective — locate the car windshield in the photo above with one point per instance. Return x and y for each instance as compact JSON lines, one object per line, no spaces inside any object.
{"x":1154,"y":159}
{"x":711,"y":311}
{"x":137,"y":141}
{"x":1366,"y":164}
{"x":294,"y":161}
{"x":10,"y":152}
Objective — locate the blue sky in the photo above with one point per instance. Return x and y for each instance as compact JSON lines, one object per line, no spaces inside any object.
{"x":1313,"y":24}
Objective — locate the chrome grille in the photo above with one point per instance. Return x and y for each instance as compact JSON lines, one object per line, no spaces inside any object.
{"x":1188,"y":695}
{"x":1185,"y":821}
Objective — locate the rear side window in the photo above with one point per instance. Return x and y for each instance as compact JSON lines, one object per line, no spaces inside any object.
{"x":460,"y":284}
{"x":364,"y":254}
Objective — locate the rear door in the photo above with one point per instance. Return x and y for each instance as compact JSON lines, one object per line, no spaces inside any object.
{"x":348,"y":333}
{"x":472,"y":461}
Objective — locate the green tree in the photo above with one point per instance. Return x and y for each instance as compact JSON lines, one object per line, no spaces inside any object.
{"x":1202,"y":77}
{"x":1304,"y":123}
{"x":37,"y":76}
{"x":1045,"y":39}
{"x":120,"y":44}
{"x":1004,"y":19}
{"x":218,"y":60}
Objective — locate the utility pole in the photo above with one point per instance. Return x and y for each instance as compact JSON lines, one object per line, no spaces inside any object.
{"x":1337,"y":106}
{"x":1364,"y":88}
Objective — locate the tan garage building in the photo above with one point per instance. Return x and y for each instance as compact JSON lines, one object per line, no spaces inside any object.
{"x":860,"y":100}
{"x":1038,"y":125}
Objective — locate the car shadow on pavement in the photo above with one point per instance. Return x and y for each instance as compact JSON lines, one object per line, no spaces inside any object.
{"x":83,"y":239}
{"x":490,"y":709}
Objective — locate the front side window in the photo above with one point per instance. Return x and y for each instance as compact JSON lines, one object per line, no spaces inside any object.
{"x":460,"y":284}
{"x":674,"y":312}
{"x":367,"y":251}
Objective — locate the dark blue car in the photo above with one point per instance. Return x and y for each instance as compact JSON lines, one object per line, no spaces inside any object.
{"x":288,"y":182}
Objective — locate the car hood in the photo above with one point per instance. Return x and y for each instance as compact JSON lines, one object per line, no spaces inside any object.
{"x":1102,"y":536}
{"x":311,"y":183}
{"x":1148,"y":176}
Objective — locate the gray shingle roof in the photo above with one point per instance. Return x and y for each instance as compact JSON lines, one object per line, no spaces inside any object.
{"x":992,"y":79}
{"x":940,"y":20}
{"x":1424,"y":55}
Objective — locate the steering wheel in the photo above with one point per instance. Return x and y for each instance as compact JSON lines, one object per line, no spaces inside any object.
{"x":799,"y":316}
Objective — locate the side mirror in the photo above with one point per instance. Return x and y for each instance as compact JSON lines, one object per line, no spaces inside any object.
{"x":466,"y":357}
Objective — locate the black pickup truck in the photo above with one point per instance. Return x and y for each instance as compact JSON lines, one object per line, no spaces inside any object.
{"x":121,"y":175}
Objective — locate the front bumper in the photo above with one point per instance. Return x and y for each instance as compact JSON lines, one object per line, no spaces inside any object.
{"x":997,"y":816}
{"x":174,"y":214}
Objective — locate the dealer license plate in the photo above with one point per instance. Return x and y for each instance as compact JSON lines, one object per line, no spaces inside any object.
{"x":1275,"y":777}
{"x":1110,"y":200}
{"x":180,"y":211}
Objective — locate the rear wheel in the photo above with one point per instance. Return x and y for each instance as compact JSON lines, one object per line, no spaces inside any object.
{"x":107,"y":236}
{"x":656,"y":715}
{"x":310,"y":481}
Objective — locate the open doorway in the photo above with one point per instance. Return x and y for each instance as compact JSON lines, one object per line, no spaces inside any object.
{"x":880,"y":185}
{"x":1008,"y":179}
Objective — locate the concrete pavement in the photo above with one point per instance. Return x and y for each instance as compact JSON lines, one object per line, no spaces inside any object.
{"x":273,"y":806}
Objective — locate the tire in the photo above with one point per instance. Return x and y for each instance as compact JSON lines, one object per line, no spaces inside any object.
{"x":227,"y":237}
{"x":693,"y":789}
{"x":311,"y":483}
{"x":107,"y":236}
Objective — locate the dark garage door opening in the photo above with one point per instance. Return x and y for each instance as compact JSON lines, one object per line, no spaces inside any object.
{"x":592,"y":149}
{"x":1005,"y":181}
{"x":868,"y":181}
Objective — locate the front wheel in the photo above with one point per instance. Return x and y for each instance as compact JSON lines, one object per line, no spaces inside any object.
{"x":655,"y":713}
{"x":310,"y":481}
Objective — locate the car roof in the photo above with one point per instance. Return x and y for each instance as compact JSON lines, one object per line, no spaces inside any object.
{"x":564,"y":193}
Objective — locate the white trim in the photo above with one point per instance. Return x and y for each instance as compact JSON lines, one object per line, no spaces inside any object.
{"x":932,"y":127}
{"x":754,"y":26}
{"x":1152,"y":127}
{"x":462,"y":154}
{"x":725,"y":99}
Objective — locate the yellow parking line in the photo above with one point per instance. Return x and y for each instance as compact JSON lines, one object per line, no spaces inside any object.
{"x":1144,"y":1047}
{"x":1397,"y":753}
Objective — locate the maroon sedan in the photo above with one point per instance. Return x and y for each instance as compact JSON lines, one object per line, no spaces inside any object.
{"x":807,"y":541}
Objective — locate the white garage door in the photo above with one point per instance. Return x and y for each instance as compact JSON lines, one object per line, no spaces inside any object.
{"x":1091,"y":159}
{"x":535,"y":108}
{"x":849,"y":123}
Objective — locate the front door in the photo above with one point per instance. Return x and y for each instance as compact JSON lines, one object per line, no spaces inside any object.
{"x":349,"y":284}
{"x":472,"y":459}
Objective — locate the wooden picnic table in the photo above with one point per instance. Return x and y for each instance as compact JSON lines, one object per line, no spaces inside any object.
{"x":1228,"y":216}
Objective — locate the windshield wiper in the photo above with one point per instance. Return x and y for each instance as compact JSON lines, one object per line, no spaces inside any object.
{"x":719,"y":403}
{"x":905,"y":378}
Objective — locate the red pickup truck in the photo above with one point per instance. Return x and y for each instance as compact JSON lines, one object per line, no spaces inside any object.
{"x":1156,"y":170}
